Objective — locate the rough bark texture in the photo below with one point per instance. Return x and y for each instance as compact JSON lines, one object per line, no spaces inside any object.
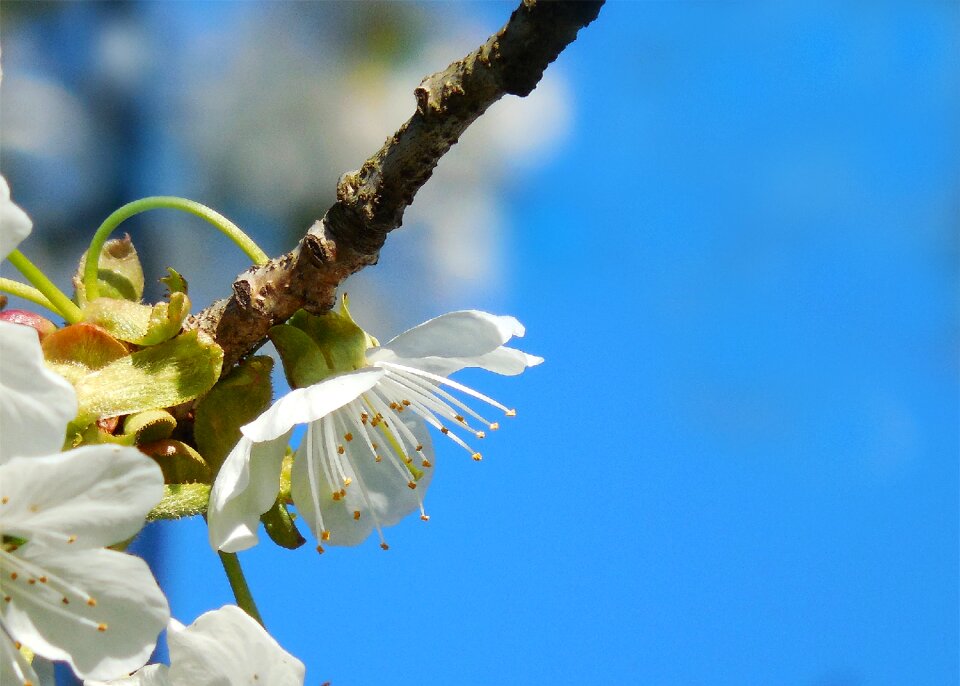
{"x":371,"y":201}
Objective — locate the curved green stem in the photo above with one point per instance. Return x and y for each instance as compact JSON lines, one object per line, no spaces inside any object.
{"x":238,"y":583}
{"x":227,"y":227}
{"x":62,"y":305}
{"x":22,"y":290}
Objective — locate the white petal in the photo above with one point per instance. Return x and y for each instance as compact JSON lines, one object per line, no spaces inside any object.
{"x":305,"y":405}
{"x":151,"y":675}
{"x":14,"y":668}
{"x":389,"y":495}
{"x":503,"y":360}
{"x":88,"y":497}
{"x":246,"y":487}
{"x":464,"y":334}
{"x":35,"y":403}
{"x":128,"y":604}
{"x":225,"y":647}
{"x":15,"y":225}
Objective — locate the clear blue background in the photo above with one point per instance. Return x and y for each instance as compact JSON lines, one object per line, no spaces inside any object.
{"x":739,"y":462}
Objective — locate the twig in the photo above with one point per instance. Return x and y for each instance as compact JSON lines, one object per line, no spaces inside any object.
{"x":371,"y":201}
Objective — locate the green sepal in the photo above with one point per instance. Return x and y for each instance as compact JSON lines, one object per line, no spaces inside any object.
{"x":338,"y":345}
{"x":79,"y":349}
{"x":92,"y":434}
{"x":237,"y":399}
{"x":303,"y":364}
{"x":137,"y":323}
{"x":278,"y":523}
{"x":119,"y":273}
{"x":174,"y":282}
{"x":164,"y":375}
{"x":149,"y":426}
{"x":179,"y":463}
{"x":181,"y":500}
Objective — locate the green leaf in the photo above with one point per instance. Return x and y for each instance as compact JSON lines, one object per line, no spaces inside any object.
{"x":164,"y":375}
{"x":237,"y":399}
{"x":79,"y":349}
{"x":149,"y":426}
{"x":279,"y":526}
{"x":303,"y":364}
{"x":119,"y":272}
{"x":181,"y":500}
{"x":174,"y":282}
{"x":179,"y":463}
{"x":137,"y":323}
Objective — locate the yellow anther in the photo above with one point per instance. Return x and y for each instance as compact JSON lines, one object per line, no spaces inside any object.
{"x":511,"y":413}
{"x":411,"y":485}
{"x":7,"y":598}
{"x":426,"y":463}
{"x":444,"y":430}
{"x":377,"y":458}
{"x":325,"y":535}
{"x":340,"y":450}
{"x":72,"y":539}
{"x":375,"y":446}
{"x":480,"y":434}
{"x":336,"y":495}
{"x":356,"y":514}
{"x":385,"y":546}
{"x":4,"y":500}
{"x":320,"y":549}
{"x":406,"y":403}
{"x":101,"y":627}
{"x":425,"y":517}
{"x":343,"y":493}
{"x":459,"y":417}
{"x":347,"y":481}
{"x":65,"y":600}
{"x":419,"y":447}
{"x":494,"y":426}
{"x":13,"y":576}
{"x":477,"y":457}
{"x":42,"y":579}
{"x":348,"y":436}
{"x":92,"y":602}
{"x":31,"y":581}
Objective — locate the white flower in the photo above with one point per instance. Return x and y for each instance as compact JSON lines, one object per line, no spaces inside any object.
{"x":62,"y":594}
{"x":366,"y":458}
{"x":15,"y":225}
{"x":224,"y":647}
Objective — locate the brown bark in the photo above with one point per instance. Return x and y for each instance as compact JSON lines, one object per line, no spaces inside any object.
{"x":371,"y":201}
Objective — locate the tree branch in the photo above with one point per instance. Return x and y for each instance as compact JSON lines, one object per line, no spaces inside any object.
{"x":371,"y":201}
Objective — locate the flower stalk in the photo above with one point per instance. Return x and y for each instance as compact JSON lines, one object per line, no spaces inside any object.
{"x":62,"y":305}
{"x":22,"y":290}
{"x":238,"y":584}
{"x":224,"y":225}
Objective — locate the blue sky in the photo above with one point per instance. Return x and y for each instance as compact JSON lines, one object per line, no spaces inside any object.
{"x":739,"y":463}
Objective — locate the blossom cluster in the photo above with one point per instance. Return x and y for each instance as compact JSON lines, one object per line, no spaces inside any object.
{"x":92,"y":444}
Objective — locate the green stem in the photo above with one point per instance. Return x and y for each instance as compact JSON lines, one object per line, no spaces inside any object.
{"x":227,"y":227}
{"x":231,"y":565}
{"x":62,"y":305}
{"x":22,"y":290}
